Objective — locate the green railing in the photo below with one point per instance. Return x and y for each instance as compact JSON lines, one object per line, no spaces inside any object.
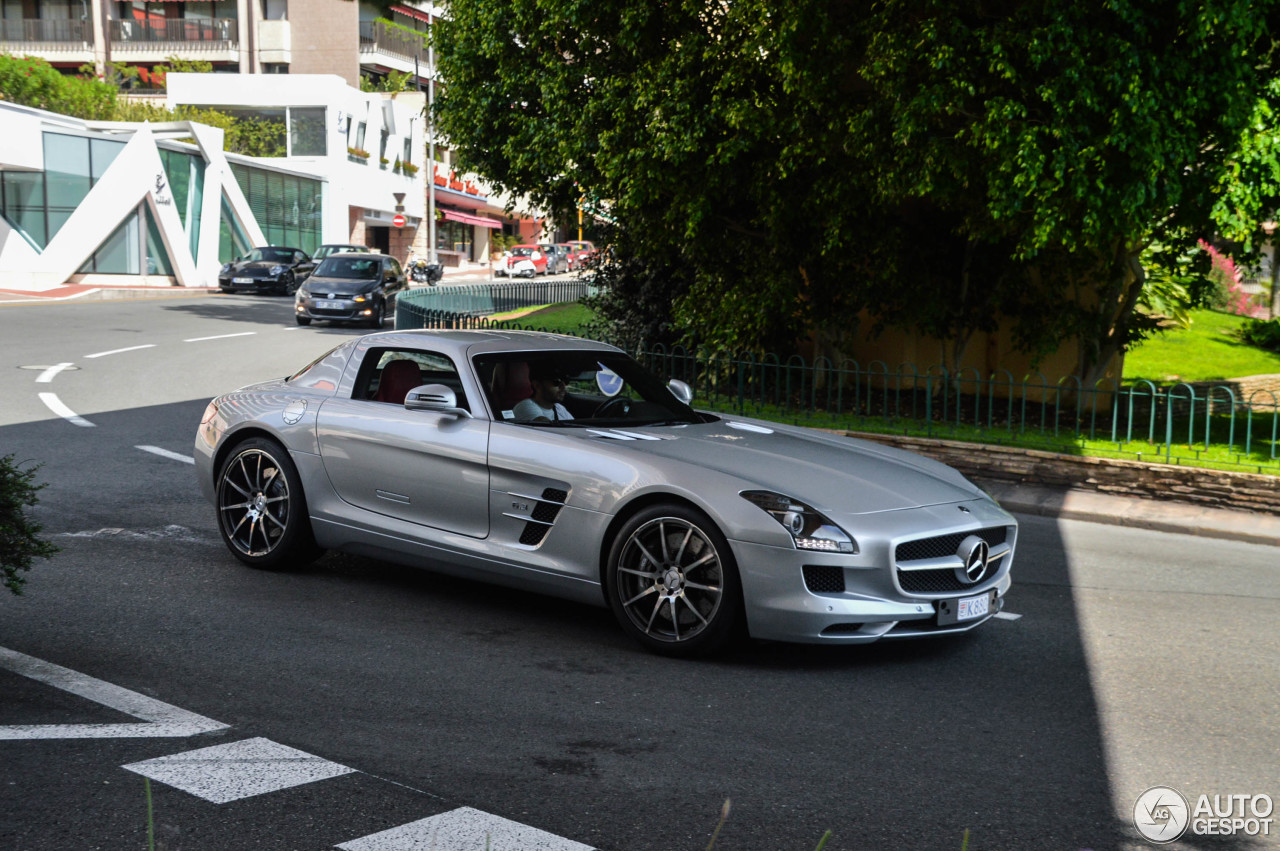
{"x":1191,"y":424}
{"x":436,"y":307}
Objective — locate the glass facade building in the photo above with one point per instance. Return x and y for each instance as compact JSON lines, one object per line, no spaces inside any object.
{"x":36,"y":204}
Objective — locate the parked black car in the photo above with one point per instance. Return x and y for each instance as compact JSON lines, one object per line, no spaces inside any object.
{"x":271,"y":268}
{"x":351,"y":288}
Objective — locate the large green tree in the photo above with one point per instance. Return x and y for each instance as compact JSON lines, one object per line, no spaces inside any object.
{"x":787,"y":168}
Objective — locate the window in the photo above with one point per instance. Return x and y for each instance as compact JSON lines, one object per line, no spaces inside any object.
{"x":307,"y":132}
{"x":388,"y":374}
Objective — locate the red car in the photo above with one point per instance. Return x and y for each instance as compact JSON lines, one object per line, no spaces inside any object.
{"x":522,"y":261}
{"x":583,"y":251}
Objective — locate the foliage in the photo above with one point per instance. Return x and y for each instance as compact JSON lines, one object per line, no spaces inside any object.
{"x":394,"y":81}
{"x":34,"y":82}
{"x":1223,"y":291}
{"x":838,"y":168}
{"x":20,"y":541}
{"x":1265,"y":334}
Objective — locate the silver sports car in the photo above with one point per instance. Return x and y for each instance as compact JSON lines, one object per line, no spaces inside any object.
{"x":562,"y":466}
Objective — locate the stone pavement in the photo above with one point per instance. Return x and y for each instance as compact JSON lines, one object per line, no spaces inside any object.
{"x":1158,"y":515}
{"x":1163,"y":515}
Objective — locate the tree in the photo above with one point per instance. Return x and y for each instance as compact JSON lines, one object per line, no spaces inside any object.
{"x":20,"y":541}
{"x":934,"y":165}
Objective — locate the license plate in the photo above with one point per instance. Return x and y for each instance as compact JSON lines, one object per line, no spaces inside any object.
{"x":326,"y":304}
{"x":965,"y":608}
{"x":242,"y":280}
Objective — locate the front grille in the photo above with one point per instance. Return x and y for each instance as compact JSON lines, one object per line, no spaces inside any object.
{"x":942,"y":580}
{"x":931,"y":581}
{"x":824,"y":579}
{"x":946,"y":545}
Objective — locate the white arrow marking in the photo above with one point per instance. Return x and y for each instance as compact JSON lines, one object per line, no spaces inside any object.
{"x":53,"y":403}
{"x":47,"y":376}
{"x":162,"y":720}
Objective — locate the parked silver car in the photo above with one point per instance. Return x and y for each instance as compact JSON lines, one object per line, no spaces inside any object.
{"x":562,"y":466}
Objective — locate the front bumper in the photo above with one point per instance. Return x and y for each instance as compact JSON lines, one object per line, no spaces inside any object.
{"x":240,"y":282}
{"x":337,"y":309}
{"x":827,"y":598}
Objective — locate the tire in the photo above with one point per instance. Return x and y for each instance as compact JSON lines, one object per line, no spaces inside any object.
{"x":303,"y":320}
{"x":379,"y":314}
{"x":290,"y":285}
{"x":262,"y":511}
{"x":225,"y":290}
{"x":689,"y":602}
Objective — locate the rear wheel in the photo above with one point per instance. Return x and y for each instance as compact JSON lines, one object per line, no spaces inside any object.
{"x":672,"y":583}
{"x":262,"y":511}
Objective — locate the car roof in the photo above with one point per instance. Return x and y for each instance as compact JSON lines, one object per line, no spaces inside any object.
{"x":463,"y":344}
{"x":345,"y":245}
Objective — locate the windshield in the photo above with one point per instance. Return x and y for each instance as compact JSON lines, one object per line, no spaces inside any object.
{"x":522,"y":251}
{"x":271,"y":255}
{"x":325,"y":250}
{"x":353,"y":266}
{"x":575,"y":389}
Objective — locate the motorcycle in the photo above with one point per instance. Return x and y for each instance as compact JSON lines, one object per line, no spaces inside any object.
{"x":422,"y":272}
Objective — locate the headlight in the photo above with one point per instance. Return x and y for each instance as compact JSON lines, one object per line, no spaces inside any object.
{"x":226,"y":267}
{"x":809,"y":529}
{"x":275,"y":271}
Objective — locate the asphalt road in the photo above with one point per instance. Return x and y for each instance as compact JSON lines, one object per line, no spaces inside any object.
{"x":1139,"y":659}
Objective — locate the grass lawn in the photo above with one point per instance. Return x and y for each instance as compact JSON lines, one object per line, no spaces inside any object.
{"x":570,"y":318}
{"x":1207,"y":351}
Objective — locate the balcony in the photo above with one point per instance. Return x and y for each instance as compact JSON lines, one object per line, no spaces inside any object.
{"x":392,"y":47}
{"x":55,"y":41}
{"x":211,"y":39}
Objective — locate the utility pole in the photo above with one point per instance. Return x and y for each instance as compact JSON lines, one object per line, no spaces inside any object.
{"x":431,"y":141}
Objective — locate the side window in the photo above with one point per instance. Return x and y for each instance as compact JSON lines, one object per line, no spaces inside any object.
{"x":389,"y":374}
{"x":395,"y":267}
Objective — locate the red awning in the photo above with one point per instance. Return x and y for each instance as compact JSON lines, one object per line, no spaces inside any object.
{"x":411,"y":12}
{"x":466,"y":219}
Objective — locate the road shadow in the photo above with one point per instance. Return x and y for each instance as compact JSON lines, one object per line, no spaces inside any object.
{"x":892,"y":745}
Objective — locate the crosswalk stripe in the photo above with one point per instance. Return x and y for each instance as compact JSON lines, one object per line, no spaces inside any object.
{"x":223,"y":773}
{"x":464,"y":829}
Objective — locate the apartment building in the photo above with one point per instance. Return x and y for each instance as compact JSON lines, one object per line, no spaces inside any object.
{"x":301,"y":62}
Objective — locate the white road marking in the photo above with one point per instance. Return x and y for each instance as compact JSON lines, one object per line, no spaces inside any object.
{"x":165,"y":453}
{"x":224,"y":773}
{"x":463,"y":829}
{"x":162,"y":720}
{"x":53,"y":403}
{"x":47,"y":376}
{"x":220,"y":337}
{"x":1006,"y":616}
{"x":119,"y":351}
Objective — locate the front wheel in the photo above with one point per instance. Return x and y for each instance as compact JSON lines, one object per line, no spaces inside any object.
{"x":289,"y":284}
{"x":672,"y":583}
{"x":262,"y":511}
{"x":303,"y":320}
{"x":379,"y":313}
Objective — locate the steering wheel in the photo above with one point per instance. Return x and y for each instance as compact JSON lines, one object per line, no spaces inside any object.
{"x":606,"y":409}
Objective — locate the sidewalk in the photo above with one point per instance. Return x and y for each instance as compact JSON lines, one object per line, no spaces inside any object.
{"x":1157,"y":515}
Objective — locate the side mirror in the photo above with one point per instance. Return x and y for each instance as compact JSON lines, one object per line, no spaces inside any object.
{"x":680,"y":390}
{"x":434,"y":397}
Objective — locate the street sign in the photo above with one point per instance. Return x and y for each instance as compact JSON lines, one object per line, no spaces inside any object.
{"x":398,"y":221}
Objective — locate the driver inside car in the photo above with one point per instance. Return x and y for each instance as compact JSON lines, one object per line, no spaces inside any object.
{"x":549,"y":388}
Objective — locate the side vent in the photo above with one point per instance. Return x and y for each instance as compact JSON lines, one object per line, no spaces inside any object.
{"x":545,"y":510}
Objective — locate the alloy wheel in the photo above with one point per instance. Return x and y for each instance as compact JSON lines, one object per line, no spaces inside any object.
{"x":670,"y":580}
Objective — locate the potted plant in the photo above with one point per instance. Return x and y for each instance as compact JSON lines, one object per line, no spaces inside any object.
{"x":357,"y":155}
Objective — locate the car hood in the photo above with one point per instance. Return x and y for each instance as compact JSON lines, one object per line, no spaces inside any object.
{"x":340,"y":286}
{"x":245,"y":266}
{"x":833,"y":474}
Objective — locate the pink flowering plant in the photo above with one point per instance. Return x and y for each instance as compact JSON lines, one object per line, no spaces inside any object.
{"x":1226,"y":292}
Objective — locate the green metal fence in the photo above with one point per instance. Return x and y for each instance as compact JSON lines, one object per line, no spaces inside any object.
{"x":435,"y":307}
{"x":1190,"y":424}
